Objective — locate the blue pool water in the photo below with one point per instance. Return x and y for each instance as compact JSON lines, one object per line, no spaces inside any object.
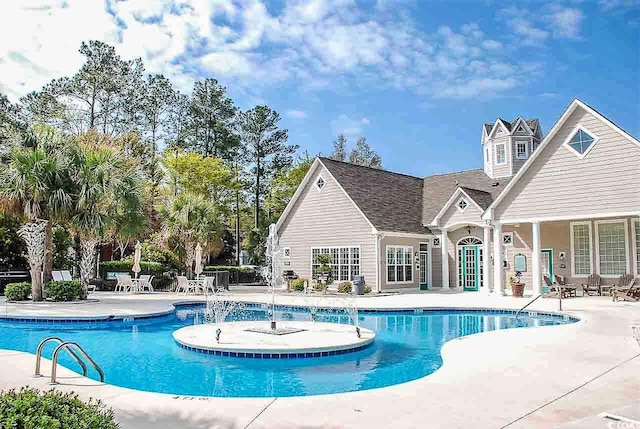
{"x":142,"y":354}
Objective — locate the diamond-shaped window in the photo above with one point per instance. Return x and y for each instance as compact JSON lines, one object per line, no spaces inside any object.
{"x":581,"y":141}
{"x":320,"y":183}
{"x":462,"y":204}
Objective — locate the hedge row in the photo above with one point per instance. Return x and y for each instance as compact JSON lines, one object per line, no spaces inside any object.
{"x":155,"y":268}
{"x":17,"y":291}
{"x":62,"y":291}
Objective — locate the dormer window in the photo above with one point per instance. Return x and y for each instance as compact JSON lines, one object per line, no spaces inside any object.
{"x":462,"y":205}
{"x":581,"y":142}
{"x":501,"y":154}
{"x":522,"y":150}
{"x":320,"y":183}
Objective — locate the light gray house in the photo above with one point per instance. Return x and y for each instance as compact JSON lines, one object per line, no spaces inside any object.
{"x":566,"y":204}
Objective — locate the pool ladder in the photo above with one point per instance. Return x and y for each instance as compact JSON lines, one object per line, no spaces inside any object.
{"x":68,"y":346}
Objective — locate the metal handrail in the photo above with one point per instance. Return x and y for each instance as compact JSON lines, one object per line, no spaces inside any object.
{"x":528,"y":304}
{"x":66,"y":345}
{"x":59,"y":341}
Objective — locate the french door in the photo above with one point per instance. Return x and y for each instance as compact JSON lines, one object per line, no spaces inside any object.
{"x":470,"y":263}
{"x":424,"y":266}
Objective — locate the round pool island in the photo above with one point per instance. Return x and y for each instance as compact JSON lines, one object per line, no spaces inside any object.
{"x":291,"y":339}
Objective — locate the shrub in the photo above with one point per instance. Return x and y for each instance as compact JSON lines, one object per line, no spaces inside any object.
{"x":367,"y":289}
{"x":31,"y":409}
{"x":345,"y":287}
{"x":62,"y":291}
{"x":298,"y":284}
{"x":318,"y":286}
{"x":18,"y":291}
{"x":155,"y":268}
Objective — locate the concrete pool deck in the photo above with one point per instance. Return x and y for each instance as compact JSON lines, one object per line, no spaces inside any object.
{"x":542,"y":377}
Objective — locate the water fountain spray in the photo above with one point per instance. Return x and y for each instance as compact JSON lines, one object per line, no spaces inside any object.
{"x":273,"y":269}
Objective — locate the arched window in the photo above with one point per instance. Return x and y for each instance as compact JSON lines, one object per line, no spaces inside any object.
{"x":469,"y":241}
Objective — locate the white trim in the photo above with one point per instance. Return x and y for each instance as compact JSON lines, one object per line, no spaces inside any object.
{"x":504,"y":145}
{"x":497,"y":123}
{"x":376,"y":244}
{"x":590,"y":216}
{"x":526,"y":148}
{"x":466,"y":205}
{"x":324,"y":183}
{"x":636,"y":246}
{"x":527,"y":128}
{"x":545,"y":141}
{"x":505,"y":234}
{"x":405,"y":234}
{"x":573,"y":132}
{"x":452,"y":198}
{"x":411,"y":263}
{"x":626,"y":247}
{"x":298,"y":192}
{"x":573,"y":253}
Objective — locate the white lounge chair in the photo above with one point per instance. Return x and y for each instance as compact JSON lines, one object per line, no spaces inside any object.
{"x":57,"y":276}
{"x":124,"y":284}
{"x":145,"y":282}
{"x":183,"y":284}
{"x":66,"y":275}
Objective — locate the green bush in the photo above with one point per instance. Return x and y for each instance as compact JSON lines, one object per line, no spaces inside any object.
{"x":318,"y":286}
{"x":367,"y":289}
{"x":31,"y":409}
{"x":298,"y":284}
{"x":345,"y":287}
{"x":18,"y":291}
{"x":236,"y":274}
{"x":154,"y":268}
{"x":62,"y":291}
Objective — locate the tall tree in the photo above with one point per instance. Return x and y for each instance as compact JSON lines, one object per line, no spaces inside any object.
{"x":339,"y":152}
{"x":9,"y":122}
{"x":362,"y":154}
{"x":266,"y":148}
{"x":156,"y":105}
{"x":104,"y":93}
{"x":284,"y":185}
{"x":212,"y":112}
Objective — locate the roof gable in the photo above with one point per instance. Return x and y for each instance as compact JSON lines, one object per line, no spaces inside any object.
{"x":575,"y":104}
{"x":481,"y":199}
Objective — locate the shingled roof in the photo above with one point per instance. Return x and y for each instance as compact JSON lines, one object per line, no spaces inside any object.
{"x":438,"y":189}
{"x":391,"y":201}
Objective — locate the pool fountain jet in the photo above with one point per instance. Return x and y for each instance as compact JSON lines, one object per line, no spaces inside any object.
{"x":273,"y":270}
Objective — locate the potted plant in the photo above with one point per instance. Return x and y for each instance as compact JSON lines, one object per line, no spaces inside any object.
{"x":517,"y":287}
{"x":324,"y":270}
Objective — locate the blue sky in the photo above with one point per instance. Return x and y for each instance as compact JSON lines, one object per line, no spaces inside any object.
{"x":417,"y":78}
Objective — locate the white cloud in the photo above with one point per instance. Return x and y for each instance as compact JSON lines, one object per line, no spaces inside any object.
{"x":565,"y":21}
{"x":350,"y":127}
{"x":618,"y":5}
{"x":296,"y":114}
{"x":313,"y":44}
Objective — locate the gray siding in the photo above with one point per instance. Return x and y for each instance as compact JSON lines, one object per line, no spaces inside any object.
{"x":326,"y":218}
{"x":399,"y":241}
{"x":454,"y":237}
{"x":558,"y":183}
{"x":518,"y":163}
{"x":502,"y":170}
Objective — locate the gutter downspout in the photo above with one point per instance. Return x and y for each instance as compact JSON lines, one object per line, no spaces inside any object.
{"x":376,"y":243}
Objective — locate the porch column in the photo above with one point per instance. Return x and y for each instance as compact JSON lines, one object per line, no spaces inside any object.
{"x":498,"y":284}
{"x":444,"y":247}
{"x":486,"y":260}
{"x":537,"y":272}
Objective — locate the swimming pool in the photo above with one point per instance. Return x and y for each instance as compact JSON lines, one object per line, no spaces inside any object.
{"x":142,"y":354}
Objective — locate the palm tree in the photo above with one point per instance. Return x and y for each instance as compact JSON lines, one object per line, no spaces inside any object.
{"x":34,"y":184}
{"x":189,"y":219}
{"x":106,"y":184}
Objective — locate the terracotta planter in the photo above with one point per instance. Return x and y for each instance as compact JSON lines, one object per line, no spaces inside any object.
{"x":517,"y":289}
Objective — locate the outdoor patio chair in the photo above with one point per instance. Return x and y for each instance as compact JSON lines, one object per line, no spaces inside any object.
{"x":124,"y":283}
{"x":554,"y":289}
{"x":66,"y":275}
{"x":568,"y":289}
{"x":622,"y":282}
{"x":146,"y":283}
{"x":208,"y":284}
{"x":630,"y":292}
{"x":592,"y":285}
{"x":183,"y":284}
{"x":57,"y":276}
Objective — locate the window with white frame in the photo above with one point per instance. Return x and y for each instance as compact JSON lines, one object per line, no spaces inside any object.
{"x":501,"y":153}
{"x":581,"y":249}
{"x":581,"y":141}
{"x":507,"y":239}
{"x":486,"y":155}
{"x":522,"y":150}
{"x":320,"y":182}
{"x":399,"y":264}
{"x":636,"y":231}
{"x":345,"y":262}
{"x":612,"y":248}
{"x":462,"y":205}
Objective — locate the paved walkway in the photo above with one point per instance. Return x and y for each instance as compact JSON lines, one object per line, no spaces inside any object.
{"x":558,"y":376}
